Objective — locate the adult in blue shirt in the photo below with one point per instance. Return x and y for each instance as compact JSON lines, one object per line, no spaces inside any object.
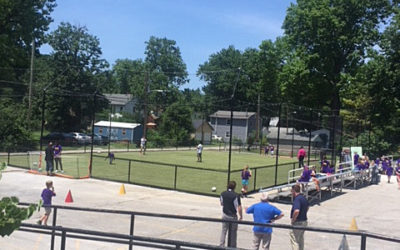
{"x":298,"y":217}
{"x":263,"y":213}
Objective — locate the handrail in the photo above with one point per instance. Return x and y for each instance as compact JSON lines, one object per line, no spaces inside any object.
{"x":207,"y":219}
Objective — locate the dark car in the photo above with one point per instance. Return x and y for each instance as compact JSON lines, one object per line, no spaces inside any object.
{"x":63,"y":138}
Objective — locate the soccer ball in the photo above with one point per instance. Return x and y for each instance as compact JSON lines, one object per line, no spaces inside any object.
{"x":213,"y":189}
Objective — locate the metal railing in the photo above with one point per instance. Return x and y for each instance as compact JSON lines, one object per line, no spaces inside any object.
{"x":131,"y":239}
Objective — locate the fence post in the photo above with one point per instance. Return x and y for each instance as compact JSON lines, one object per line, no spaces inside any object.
{"x":129,"y":171}
{"x":363,"y":242}
{"x":128,"y":146}
{"x":255,"y":178}
{"x":131,"y":230}
{"x":277,"y":145}
{"x":8,"y":157}
{"x":176,"y":174}
{"x":63,"y":239}
{"x":53,"y":230}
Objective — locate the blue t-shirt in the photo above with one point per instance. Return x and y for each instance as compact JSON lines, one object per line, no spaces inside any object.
{"x":263,"y":213}
{"x":300,"y":203}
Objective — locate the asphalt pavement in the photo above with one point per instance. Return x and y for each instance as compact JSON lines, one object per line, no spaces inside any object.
{"x":375,"y":209}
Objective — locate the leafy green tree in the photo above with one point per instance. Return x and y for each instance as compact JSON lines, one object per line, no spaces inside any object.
{"x":76,"y":67}
{"x":14,"y":134}
{"x":330,"y":39}
{"x":176,"y":123}
{"x":21,"y":22}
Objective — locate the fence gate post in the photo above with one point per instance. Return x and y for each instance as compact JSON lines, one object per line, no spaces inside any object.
{"x":131,"y":229}
{"x":53,"y":230}
{"x":63,"y":239}
{"x":129,"y":171}
{"x":255,"y":178}
{"x":176,"y":175}
{"x":363,"y":242}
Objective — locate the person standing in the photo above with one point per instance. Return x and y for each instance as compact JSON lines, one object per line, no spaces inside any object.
{"x":271,"y":149}
{"x":143,"y":142}
{"x":398,"y":173}
{"x":199,"y":152}
{"x":301,"y":154}
{"x":231,"y":208}
{"x":47,"y":195}
{"x":57,"y":156}
{"x":263,"y":213}
{"x":355,"y":158}
{"x":246,"y":174}
{"x":298,"y":216}
{"x":49,"y":158}
{"x":389,"y":171}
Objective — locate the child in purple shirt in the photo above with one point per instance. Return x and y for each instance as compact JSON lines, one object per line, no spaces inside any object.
{"x":47,"y":195}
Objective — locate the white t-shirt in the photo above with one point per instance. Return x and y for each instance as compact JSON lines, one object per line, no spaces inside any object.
{"x":199,"y":148}
{"x":143,"y":142}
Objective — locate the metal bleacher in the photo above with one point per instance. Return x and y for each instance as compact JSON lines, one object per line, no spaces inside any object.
{"x":331,"y":184}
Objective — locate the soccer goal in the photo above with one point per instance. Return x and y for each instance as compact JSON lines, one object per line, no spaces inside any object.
{"x":72,"y":165}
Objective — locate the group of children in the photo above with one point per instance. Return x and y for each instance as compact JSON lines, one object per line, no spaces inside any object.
{"x":269,"y":149}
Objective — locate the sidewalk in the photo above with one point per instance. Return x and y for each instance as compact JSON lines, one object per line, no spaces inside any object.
{"x":375,"y":209}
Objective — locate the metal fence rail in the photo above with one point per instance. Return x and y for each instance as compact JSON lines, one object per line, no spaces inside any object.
{"x":131,"y":239}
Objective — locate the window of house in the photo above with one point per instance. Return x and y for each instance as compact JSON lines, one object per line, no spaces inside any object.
{"x":228,"y":121}
{"x":212,"y":121}
{"x":124,"y":132}
{"x":227,"y":134}
{"x":120,"y":108}
{"x":100,"y":130}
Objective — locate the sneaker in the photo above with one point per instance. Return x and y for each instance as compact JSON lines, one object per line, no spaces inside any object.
{"x":56,"y":170}
{"x":39,"y":222}
{"x":62,"y":171}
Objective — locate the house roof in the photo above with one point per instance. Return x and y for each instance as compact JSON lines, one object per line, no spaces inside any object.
{"x":197,"y":123}
{"x":117,"y":124}
{"x":236,"y":114}
{"x":118,"y":99}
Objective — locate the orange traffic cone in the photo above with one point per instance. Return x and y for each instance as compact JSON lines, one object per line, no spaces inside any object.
{"x":69,"y":199}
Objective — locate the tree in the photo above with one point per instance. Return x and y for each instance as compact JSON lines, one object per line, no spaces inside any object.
{"x":176,"y":123}
{"x":76,"y":66}
{"x":21,"y":22}
{"x":330,"y":39}
{"x":13,"y":127}
{"x":164,"y":68}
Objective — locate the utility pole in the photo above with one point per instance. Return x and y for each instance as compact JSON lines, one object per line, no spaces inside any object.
{"x":258,"y":119}
{"x":146,"y":93}
{"x":30,"y":80}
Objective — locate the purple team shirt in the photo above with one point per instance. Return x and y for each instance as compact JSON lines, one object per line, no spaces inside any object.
{"x":47,"y":194}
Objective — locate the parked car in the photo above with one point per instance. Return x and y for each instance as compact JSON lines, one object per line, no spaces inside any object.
{"x":63,"y":138}
{"x":81,"y":138}
{"x":100,"y":139}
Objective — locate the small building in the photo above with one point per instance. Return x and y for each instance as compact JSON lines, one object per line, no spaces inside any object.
{"x":243,"y":124}
{"x":120,"y":131}
{"x":121,"y":103}
{"x":203,"y":131}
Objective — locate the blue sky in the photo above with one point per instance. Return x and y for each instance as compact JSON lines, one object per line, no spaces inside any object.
{"x":200,"y":27}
